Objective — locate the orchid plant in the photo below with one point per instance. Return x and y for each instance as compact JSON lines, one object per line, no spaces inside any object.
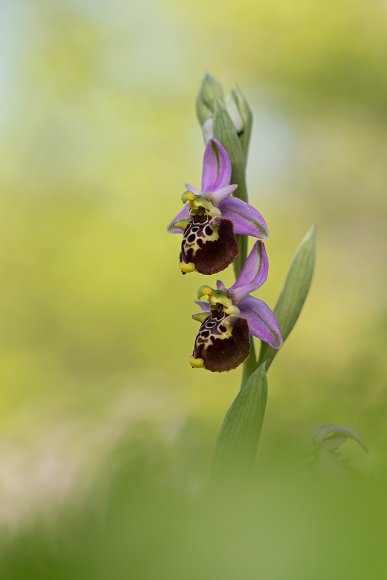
{"x":215,"y":224}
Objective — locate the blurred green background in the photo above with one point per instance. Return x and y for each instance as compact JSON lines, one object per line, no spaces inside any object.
{"x":106,"y":432}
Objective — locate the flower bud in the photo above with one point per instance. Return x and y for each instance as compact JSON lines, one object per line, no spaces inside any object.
{"x":210,"y":91}
{"x":208,"y":129}
{"x":233,"y":111}
{"x":246,"y":116}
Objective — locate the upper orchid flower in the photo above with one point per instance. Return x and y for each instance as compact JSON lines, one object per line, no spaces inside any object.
{"x":210,"y":219}
{"x":232,"y":315}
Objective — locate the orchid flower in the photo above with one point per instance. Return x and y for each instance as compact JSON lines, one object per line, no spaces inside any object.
{"x":211,"y":218}
{"x":231,"y":316}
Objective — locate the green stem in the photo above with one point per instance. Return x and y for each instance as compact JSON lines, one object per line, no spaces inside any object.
{"x":241,"y":192}
{"x":250,"y":364}
{"x":237,"y":148}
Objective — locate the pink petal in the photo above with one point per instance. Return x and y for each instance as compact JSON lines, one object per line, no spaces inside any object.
{"x":184,"y":214}
{"x":262,"y":322}
{"x":253,"y":274}
{"x":191,"y":188}
{"x":220,"y":285}
{"x":216,"y":167}
{"x":246,"y":219}
{"x":217,"y":196}
{"x":203,"y":305}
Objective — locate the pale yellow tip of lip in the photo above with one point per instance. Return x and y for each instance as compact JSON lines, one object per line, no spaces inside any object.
{"x":196,"y":363}
{"x":187,"y":268}
{"x":191,"y":196}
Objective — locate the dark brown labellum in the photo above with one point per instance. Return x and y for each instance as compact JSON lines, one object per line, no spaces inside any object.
{"x":209,"y":244}
{"x":222,"y":342}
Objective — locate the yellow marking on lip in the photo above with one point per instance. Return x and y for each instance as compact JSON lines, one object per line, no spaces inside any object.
{"x":196,"y":363}
{"x":201,"y":316}
{"x":199,"y":203}
{"x":194,"y":246}
{"x":187,"y":268}
{"x":205,"y":291}
{"x":181,"y":224}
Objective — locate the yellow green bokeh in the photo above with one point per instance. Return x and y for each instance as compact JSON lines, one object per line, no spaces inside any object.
{"x":98,"y":136}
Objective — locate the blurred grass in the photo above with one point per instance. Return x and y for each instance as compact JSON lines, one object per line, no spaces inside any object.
{"x":98,"y":136}
{"x":293,"y":528}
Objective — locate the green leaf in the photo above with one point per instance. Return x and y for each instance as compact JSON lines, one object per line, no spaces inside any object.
{"x":294,"y":292}
{"x":331,"y":436}
{"x":239,"y":435}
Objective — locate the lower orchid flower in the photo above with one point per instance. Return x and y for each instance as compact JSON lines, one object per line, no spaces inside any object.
{"x":231,"y":316}
{"x":210,"y":220}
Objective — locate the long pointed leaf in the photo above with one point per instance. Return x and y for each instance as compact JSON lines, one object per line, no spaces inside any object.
{"x":294,"y":292}
{"x":239,"y":435}
{"x":336,"y":434}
